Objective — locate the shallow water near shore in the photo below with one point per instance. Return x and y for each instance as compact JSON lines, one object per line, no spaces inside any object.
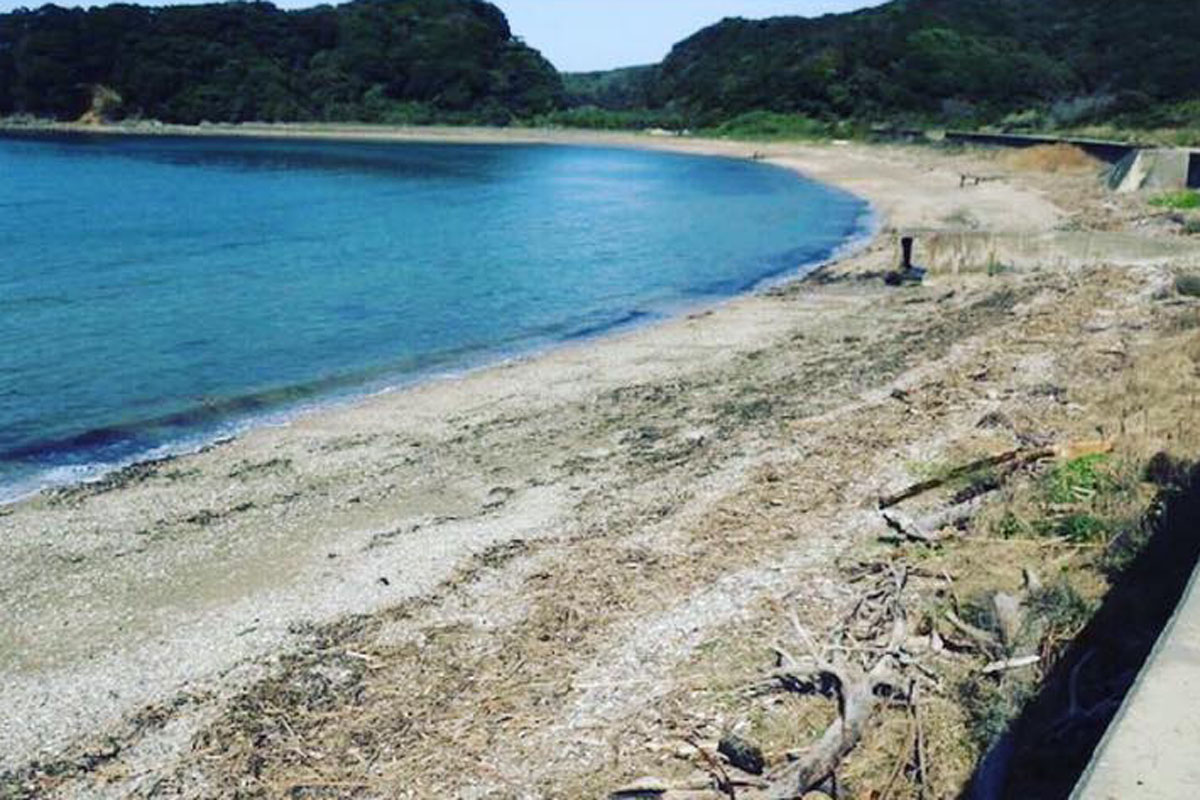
{"x":157,"y":292}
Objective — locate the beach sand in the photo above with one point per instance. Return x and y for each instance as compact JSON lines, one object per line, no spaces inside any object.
{"x":525,"y":555}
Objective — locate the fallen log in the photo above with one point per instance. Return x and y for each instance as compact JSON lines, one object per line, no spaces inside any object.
{"x":859,"y":690}
{"x":928,"y":530}
{"x":859,"y":696}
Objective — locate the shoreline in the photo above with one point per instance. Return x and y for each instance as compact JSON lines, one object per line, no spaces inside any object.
{"x":206,"y":566}
{"x":867,"y":228}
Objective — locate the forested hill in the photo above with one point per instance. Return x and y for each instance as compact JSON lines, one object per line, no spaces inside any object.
{"x":970,"y":60}
{"x":1042,"y":63}
{"x":368,"y":60}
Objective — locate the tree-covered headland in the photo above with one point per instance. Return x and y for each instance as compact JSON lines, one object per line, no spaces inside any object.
{"x":950,"y":62}
{"x":368,"y":60}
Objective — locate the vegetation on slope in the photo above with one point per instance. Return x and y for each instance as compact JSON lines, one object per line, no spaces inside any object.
{"x":368,"y":60}
{"x":629,"y":87}
{"x":1022,"y":64}
{"x":1031,"y":63}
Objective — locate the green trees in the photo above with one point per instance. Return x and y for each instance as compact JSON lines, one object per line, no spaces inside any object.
{"x":963,"y":62}
{"x":393,"y":60}
{"x":940,"y":60}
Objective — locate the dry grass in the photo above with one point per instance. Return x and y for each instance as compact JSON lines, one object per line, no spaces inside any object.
{"x":1052,"y":158}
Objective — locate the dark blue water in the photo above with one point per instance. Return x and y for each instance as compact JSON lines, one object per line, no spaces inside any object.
{"x":157,"y":291}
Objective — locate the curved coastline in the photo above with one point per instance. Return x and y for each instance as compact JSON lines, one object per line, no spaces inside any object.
{"x":193,"y":576}
{"x":249,"y":412}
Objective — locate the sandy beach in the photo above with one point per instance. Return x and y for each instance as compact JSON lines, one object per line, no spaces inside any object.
{"x":512,"y":573}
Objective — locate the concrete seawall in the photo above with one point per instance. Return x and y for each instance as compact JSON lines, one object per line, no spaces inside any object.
{"x":1152,"y":748}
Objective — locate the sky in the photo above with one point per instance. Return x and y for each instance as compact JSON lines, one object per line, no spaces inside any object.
{"x":582,"y":35}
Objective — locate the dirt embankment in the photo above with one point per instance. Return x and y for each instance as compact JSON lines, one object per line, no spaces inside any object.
{"x":551,"y":577}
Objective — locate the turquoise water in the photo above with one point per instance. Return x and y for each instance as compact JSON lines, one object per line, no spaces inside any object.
{"x":156,"y":292}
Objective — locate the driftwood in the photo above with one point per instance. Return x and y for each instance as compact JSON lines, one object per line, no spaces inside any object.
{"x":863,"y":665}
{"x":1011,"y":663}
{"x":859,"y":686}
{"x":981,"y":637}
{"x":1021,"y":456}
{"x":859,"y":695}
{"x":930,"y":529}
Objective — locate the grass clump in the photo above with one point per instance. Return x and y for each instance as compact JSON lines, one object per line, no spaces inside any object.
{"x":1011,"y":526}
{"x":1124,"y":548}
{"x":996,"y":268}
{"x":1177,"y":201}
{"x":1078,"y":480}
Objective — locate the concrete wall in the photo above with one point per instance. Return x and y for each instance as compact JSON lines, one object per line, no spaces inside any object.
{"x":971,"y":252}
{"x":1161,"y":170}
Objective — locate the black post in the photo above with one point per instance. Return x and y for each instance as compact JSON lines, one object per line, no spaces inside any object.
{"x":906,"y":245}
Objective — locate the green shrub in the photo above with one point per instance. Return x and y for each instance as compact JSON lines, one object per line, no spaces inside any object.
{"x":772,"y":125}
{"x":1078,"y":480}
{"x":1011,"y":526}
{"x":1188,"y":285}
{"x":996,"y":267}
{"x":1179,"y":201}
{"x":1082,"y":528}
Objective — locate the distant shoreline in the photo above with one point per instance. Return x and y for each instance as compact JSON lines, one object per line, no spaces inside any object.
{"x":349,"y":131}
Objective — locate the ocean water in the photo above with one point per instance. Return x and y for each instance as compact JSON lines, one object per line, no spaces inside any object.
{"x":156,"y":292}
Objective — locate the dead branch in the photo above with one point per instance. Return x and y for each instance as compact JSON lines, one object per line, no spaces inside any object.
{"x":909,"y":529}
{"x":1011,"y":664}
{"x":980,"y":637}
{"x":1020,"y":456}
{"x":929,"y":529}
{"x":716,"y":770}
{"x":862,"y":665}
{"x":878,"y":624}
{"x":922,"y":756}
{"x":859,"y":696}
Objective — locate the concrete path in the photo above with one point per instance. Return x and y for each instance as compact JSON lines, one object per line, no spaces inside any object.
{"x":1152,"y":749}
